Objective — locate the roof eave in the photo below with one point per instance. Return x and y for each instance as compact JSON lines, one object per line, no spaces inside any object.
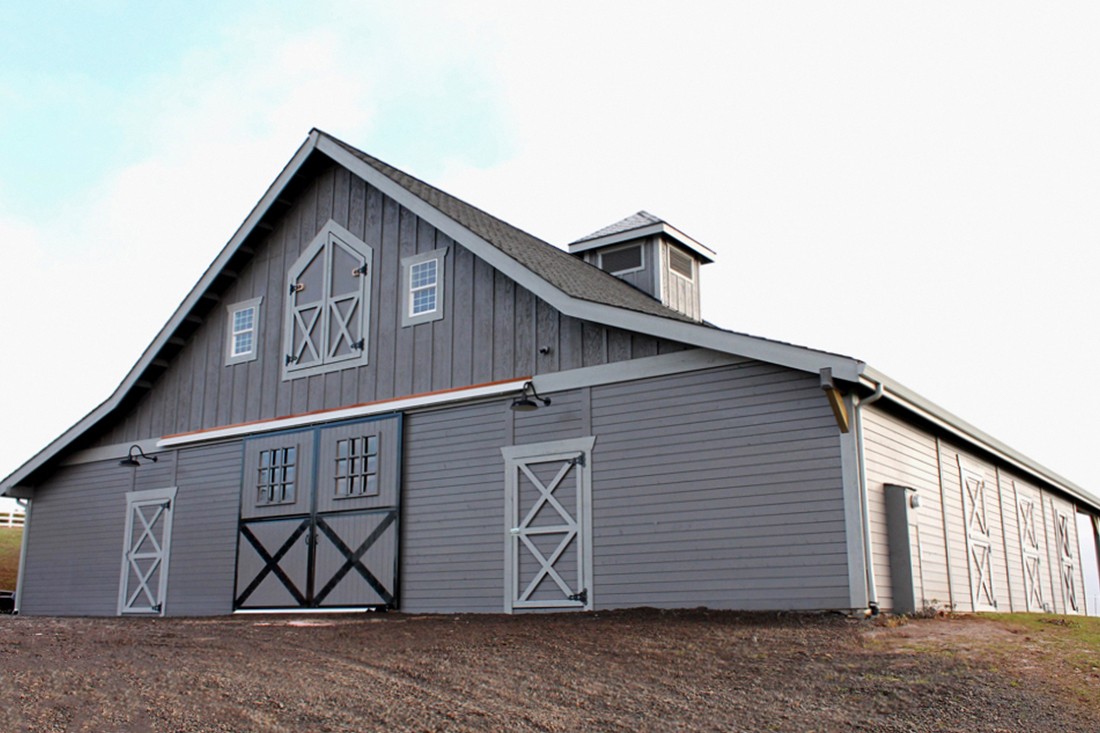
{"x":921,"y":406}
{"x":290,"y":170}
{"x":706,"y":254}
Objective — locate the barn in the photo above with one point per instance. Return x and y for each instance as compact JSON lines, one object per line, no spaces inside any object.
{"x":379,"y":396}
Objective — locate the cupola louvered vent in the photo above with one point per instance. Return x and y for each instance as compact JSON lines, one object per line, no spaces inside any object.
{"x":652,"y":256}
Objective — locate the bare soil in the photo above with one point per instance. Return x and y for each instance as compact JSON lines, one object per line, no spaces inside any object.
{"x":624,"y":671}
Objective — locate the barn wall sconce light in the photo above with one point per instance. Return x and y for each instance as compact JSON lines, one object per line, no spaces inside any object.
{"x":525,"y":403}
{"x":132,"y":460}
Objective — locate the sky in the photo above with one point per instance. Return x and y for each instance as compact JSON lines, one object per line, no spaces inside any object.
{"x":912,"y":184}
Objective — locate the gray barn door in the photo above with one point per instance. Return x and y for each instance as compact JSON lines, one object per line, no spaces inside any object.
{"x":319,"y":511}
{"x":146,"y":550}
{"x":547,"y":509}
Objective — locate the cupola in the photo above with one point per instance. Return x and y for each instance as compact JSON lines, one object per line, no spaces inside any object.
{"x":651,"y":255}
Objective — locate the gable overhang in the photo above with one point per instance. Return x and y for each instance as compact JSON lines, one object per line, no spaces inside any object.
{"x":795,"y":357}
{"x":13,"y":484}
{"x":703,"y":252}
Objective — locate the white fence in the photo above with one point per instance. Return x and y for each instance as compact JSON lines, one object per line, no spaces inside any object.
{"x":12,"y":519}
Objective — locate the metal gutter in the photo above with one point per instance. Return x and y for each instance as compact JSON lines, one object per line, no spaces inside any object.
{"x":906,"y":398}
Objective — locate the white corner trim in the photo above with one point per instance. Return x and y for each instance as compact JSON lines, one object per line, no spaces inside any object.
{"x":429,"y":399}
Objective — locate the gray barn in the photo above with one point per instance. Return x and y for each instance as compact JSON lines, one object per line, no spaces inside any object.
{"x":381,"y":396}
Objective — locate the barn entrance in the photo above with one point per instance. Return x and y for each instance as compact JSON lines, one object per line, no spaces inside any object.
{"x":548,"y":512}
{"x":146,"y":549}
{"x":319,"y":518}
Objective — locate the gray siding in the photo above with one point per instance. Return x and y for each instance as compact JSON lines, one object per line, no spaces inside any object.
{"x":491,"y":330}
{"x":899,"y":452}
{"x":452,"y":547}
{"x":719,"y":488}
{"x":75,"y":542}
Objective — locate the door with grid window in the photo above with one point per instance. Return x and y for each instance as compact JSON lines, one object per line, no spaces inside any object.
{"x":319,"y":511}
{"x":547,"y":509}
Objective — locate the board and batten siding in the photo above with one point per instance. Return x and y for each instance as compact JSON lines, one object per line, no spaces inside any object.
{"x":491,"y":330}
{"x":898,"y":452}
{"x":720,"y":488}
{"x":75,"y":540}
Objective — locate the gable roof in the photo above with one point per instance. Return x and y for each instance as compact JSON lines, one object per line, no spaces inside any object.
{"x":566,"y":282}
{"x":634,"y":221}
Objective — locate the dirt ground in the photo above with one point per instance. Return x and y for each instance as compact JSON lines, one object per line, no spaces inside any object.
{"x":622,"y":671}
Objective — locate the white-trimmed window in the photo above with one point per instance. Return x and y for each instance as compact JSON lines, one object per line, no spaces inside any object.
{"x":328,"y":304}
{"x":242,"y":331}
{"x":422,"y":278}
{"x":623,"y":260}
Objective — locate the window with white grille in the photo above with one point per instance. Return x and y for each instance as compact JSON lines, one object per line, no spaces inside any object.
{"x":423,"y":277}
{"x":242,"y":331}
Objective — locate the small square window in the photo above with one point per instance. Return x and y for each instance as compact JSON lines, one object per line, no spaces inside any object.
{"x":241,"y":331}
{"x":423,"y":276}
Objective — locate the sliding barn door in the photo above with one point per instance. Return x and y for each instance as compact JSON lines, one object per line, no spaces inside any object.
{"x":319,"y":518}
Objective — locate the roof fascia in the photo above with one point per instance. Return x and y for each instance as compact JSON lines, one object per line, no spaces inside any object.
{"x":901,"y":395}
{"x":243,"y":231}
{"x":705,"y":253}
{"x":796,"y":357}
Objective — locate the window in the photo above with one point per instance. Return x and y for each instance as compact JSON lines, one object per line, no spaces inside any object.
{"x":680,"y":263}
{"x":422,"y":278}
{"x":242,"y":331}
{"x":622,"y":260}
{"x":357,"y":467}
{"x":277,"y":476}
{"x":328,"y":303}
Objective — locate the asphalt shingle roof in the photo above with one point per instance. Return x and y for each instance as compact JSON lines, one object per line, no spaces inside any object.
{"x":634,"y":221}
{"x":568,"y":273}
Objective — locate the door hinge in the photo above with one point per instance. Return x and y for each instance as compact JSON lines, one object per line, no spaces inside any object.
{"x":297,"y":288}
{"x":156,"y":608}
{"x":358,"y":345}
{"x":290,"y":360}
{"x":582,"y":597}
{"x":359,"y":271}
{"x":578,"y":461}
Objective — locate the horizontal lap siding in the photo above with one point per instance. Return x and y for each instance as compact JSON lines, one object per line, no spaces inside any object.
{"x":492,"y":329}
{"x":204,"y":531}
{"x":452,"y":549}
{"x":720,"y":489}
{"x":74,"y":545}
{"x":897,"y":453}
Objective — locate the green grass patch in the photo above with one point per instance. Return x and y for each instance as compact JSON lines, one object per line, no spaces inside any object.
{"x":11,"y":540}
{"x":1075,"y":633}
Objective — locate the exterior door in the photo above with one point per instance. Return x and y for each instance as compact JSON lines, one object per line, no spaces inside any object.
{"x":1030,"y":520}
{"x":319,"y":511}
{"x":548,"y":525}
{"x":146,"y":550}
{"x":979,"y":538}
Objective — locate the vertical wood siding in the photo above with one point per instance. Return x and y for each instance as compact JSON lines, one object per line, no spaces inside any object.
{"x":492,"y":329}
{"x":898,"y":452}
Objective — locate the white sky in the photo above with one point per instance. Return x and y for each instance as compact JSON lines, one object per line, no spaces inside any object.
{"x":915,"y":185}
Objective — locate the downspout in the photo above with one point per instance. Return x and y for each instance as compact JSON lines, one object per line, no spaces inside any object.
{"x":865,"y":509}
{"x":19,"y":581}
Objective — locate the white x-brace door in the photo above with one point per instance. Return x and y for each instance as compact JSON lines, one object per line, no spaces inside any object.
{"x":145,"y":551}
{"x":548,"y":525}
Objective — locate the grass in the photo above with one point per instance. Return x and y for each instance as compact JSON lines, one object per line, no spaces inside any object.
{"x":1070,"y":643}
{"x":10,"y":542}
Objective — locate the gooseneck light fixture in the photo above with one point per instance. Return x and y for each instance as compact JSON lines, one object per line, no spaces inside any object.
{"x":132,"y":460}
{"x":525,"y":403}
